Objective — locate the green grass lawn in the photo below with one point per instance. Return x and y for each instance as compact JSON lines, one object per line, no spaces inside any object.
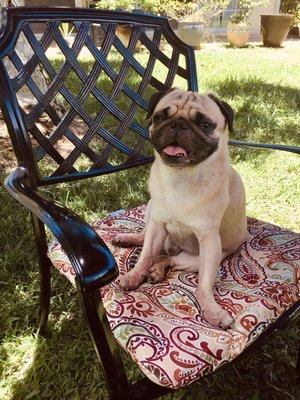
{"x":263,"y":86}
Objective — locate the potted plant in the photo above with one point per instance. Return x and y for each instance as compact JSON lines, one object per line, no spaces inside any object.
{"x":292,"y":7}
{"x":191,"y":27}
{"x":193,"y":17}
{"x":239,"y":25}
{"x":238,"y":29}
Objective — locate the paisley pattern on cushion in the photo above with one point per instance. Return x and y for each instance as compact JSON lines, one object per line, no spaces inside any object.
{"x":161,"y":325}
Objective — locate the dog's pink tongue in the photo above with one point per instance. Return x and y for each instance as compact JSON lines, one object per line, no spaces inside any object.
{"x":174,"y":151}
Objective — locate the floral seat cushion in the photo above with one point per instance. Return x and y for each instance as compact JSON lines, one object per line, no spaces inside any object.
{"x":161,"y":325}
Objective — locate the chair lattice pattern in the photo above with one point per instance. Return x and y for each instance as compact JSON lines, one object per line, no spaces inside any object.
{"x":91,"y":114}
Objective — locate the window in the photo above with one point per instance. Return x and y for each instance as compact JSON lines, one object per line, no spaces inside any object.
{"x":219,"y":22}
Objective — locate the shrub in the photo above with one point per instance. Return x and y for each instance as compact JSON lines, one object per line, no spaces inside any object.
{"x":291,"y":7}
{"x":178,"y":9}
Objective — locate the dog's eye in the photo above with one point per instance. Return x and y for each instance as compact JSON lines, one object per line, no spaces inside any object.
{"x":206,"y":126}
{"x":158,"y":119}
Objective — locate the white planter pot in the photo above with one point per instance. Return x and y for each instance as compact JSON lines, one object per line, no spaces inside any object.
{"x":191,"y":33}
{"x":238,"y":35}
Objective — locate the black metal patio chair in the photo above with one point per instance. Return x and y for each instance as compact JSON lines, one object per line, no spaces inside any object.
{"x":159,"y":325}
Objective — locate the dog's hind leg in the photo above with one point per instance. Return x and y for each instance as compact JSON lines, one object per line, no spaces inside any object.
{"x":182,"y":262}
{"x":129,"y":239}
{"x":155,"y":236}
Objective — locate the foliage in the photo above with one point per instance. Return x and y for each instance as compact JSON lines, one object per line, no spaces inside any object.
{"x":130,"y":5}
{"x":127,"y":5}
{"x":245,"y":9}
{"x":198,"y":10}
{"x":178,"y":9}
{"x":291,"y":7}
{"x":66,"y":30}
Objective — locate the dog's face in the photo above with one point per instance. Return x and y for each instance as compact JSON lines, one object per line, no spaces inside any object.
{"x":185,"y":127}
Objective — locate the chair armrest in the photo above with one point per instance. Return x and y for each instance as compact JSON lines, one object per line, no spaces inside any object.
{"x":283,"y":147}
{"x":92,"y":260}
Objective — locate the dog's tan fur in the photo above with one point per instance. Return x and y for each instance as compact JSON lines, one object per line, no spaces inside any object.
{"x":196,"y":215}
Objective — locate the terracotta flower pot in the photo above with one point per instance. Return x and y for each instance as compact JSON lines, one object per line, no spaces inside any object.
{"x":191,"y":33}
{"x":274,"y":28}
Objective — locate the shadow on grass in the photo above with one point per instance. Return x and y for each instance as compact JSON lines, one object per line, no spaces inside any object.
{"x":264,"y":112}
{"x":64,"y":366}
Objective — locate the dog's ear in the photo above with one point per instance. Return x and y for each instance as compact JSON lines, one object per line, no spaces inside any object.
{"x":225,"y":109}
{"x":155,"y":98}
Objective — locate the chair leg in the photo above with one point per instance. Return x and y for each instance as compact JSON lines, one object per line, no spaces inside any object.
{"x":45,"y":273}
{"x":45,"y":288}
{"x":298,"y":365}
{"x":106,"y":346}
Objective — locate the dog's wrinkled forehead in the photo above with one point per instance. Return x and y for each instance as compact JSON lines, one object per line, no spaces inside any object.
{"x":187,"y":104}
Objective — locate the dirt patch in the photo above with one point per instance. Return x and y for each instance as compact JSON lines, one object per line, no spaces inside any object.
{"x":7,"y":156}
{"x":46,"y":126}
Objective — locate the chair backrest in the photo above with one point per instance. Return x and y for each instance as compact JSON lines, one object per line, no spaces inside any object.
{"x":88,"y":87}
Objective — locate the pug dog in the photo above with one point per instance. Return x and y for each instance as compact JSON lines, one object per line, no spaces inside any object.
{"x":196,"y":215}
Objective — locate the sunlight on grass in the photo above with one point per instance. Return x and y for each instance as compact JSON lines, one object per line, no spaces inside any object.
{"x":18,"y":355}
{"x":264,"y":94}
{"x":270,"y":195}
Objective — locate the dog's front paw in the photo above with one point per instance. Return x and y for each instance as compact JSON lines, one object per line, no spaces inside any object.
{"x":218,"y":317}
{"x":131,"y":280}
{"x":215,"y":315}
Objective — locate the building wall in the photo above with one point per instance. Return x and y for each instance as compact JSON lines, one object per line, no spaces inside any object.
{"x":271,"y":8}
